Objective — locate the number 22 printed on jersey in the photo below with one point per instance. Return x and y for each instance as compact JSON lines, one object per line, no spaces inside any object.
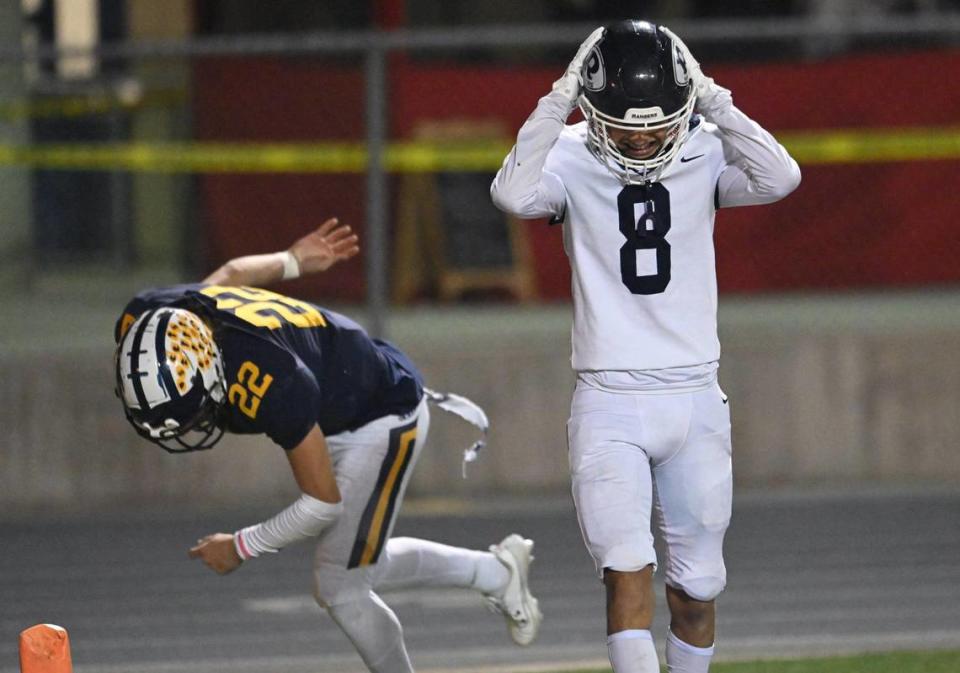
{"x":264,"y":308}
{"x":247,"y":393}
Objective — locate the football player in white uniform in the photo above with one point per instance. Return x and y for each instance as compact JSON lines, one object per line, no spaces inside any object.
{"x":637,"y":186}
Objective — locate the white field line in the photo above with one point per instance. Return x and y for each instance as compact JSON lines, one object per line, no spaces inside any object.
{"x":428,"y":598}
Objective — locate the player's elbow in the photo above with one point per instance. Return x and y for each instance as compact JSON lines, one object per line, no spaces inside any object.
{"x":512,"y":202}
{"x":501,"y":198}
{"x":224,"y":275}
{"x":788,"y":182}
{"x":318,"y":515}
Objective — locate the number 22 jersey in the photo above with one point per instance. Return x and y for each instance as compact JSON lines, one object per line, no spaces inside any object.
{"x":290,"y":364}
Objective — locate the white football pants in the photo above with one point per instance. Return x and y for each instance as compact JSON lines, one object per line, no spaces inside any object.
{"x":634,"y":456}
{"x":355,"y":557}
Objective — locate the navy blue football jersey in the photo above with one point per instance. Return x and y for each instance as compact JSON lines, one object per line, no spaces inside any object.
{"x":290,"y":364}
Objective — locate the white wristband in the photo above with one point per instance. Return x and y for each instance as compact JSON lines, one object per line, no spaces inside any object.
{"x":291,"y":267}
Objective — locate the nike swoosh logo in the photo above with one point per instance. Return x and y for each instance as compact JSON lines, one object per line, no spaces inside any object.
{"x":684,"y":160}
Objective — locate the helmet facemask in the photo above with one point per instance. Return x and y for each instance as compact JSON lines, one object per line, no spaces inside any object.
{"x":170,"y":378}
{"x":201,"y":432}
{"x":636,"y":79}
{"x":627,"y":168}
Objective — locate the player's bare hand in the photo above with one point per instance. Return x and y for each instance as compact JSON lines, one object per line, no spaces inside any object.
{"x":332,"y":242}
{"x":217,"y":552}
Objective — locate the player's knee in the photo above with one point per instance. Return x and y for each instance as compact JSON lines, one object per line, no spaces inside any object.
{"x":343,"y":613}
{"x":328,"y":591}
{"x":324,"y":596}
{"x":702,"y":588}
{"x":367,"y":620}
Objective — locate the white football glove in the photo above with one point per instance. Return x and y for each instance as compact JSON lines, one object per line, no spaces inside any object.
{"x":711,"y":97}
{"x":571,"y":81}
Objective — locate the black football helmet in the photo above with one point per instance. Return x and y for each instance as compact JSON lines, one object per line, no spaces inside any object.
{"x":636,"y":79}
{"x":170,"y":377}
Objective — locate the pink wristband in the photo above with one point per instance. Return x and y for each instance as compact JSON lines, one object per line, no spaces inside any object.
{"x":241,"y":546}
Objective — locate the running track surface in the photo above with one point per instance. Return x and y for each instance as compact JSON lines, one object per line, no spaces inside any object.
{"x":810,"y":573}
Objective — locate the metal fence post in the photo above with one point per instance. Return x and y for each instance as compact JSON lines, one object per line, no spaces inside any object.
{"x":376,"y":208}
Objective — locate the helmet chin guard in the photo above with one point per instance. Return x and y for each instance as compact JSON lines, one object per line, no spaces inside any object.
{"x":635,"y":79}
{"x":170,"y":377}
{"x":199,"y":433}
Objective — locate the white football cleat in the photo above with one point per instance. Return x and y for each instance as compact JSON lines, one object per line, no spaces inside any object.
{"x":516,"y":603}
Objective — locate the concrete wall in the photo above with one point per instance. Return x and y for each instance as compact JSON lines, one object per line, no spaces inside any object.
{"x":819,"y":392}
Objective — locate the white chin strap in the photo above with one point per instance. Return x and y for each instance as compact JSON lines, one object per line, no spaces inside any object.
{"x":468,"y":411}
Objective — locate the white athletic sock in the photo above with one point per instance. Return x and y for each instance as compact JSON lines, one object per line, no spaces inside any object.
{"x":685,"y":658}
{"x":632,"y":651}
{"x":411,"y":562}
{"x":375,"y":632}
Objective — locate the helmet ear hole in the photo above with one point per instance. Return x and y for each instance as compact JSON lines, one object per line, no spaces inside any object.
{"x":635,"y":80}
{"x":170,"y":380}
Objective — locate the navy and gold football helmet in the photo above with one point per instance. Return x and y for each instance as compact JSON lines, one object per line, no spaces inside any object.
{"x":170,"y":377}
{"x":636,"y":78}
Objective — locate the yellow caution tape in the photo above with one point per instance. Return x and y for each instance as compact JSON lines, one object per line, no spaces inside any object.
{"x":809,"y":148}
{"x":873,"y":145}
{"x":94,"y":104}
{"x":254,"y":157}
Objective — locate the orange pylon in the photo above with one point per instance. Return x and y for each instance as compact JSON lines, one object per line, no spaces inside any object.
{"x":45,"y":648}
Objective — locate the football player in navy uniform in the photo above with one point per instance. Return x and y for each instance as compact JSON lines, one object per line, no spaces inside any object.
{"x":350,"y":412}
{"x":637,"y":186}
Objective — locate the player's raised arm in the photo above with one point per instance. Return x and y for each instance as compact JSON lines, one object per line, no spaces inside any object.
{"x":761,"y":170}
{"x":317,"y":251}
{"x":522,"y":187}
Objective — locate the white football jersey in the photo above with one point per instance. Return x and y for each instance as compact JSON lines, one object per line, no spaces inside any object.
{"x":644,"y":285}
{"x":642,"y":256}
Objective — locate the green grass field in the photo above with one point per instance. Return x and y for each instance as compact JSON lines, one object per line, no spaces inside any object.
{"x":896,"y":662}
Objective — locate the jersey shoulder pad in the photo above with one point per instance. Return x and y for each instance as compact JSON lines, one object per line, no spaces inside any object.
{"x":573,"y":134}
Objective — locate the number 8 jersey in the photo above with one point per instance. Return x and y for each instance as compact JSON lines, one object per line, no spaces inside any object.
{"x":644,"y":285}
{"x":290,"y":365}
{"x":642,"y":255}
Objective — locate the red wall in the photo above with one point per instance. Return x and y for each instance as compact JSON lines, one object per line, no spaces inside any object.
{"x":853,"y":225}
{"x":277,"y":100}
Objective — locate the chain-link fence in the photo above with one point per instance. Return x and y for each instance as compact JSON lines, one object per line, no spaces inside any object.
{"x":142,"y":163}
{"x":180,"y":154}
